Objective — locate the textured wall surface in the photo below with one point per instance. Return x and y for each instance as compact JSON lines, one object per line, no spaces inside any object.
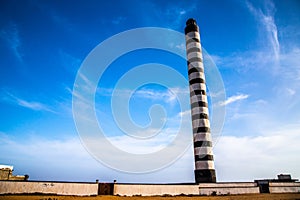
{"x":284,"y":187}
{"x":228,"y":188}
{"x":61,"y":188}
{"x":6,"y":174}
{"x":152,"y":190}
{"x":201,"y":189}
{"x":89,"y":189}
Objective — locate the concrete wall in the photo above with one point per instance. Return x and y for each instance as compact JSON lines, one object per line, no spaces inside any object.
{"x":228,"y":188}
{"x":153,"y":190}
{"x":6,"y":174}
{"x":284,"y":187}
{"x":61,"y":188}
{"x":88,"y":189}
{"x":201,"y":189}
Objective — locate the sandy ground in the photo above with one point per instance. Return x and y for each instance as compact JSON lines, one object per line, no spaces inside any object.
{"x":231,"y":197}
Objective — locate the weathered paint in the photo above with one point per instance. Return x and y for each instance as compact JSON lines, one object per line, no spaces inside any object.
{"x":60,"y":188}
{"x":195,"y":189}
{"x":284,"y":187}
{"x":153,"y":190}
{"x":89,"y":189}
{"x":6,"y":173}
{"x":228,"y":188}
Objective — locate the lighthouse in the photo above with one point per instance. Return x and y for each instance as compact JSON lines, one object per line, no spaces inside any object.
{"x":204,"y":159}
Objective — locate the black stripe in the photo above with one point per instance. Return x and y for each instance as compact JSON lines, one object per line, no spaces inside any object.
{"x":203,"y":157}
{"x":197,"y":92}
{"x":195,"y":69}
{"x":199,"y":116}
{"x":193,"y":49}
{"x":190,"y":40}
{"x":202,"y":144}
{"x":205,"y":175}
{"x":199,"y":104}
{"x":197,"y":80}
{"x":191,"y":28}
{"x":201,"y":130}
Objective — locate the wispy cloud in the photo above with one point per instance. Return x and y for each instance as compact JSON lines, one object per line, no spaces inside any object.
{"x":233,"y":99}
{"x":174,"y":13}
{"x":271,"y":155}
{"x":184,"y":113}
{"x":69,"y":62}
{"x":168,"y":96}
{"x":142,"y":146}
{"x":30,"y":156}
{"x":267,"y":20}
{"x":33,"y":105}
{"x":10,"y":35}
{"x":54,"y":159}
{"x":290,"y":65}
{"x":245,"y":61}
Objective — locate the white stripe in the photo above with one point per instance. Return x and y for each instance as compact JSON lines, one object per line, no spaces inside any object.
{"x":205,"y":164}
{"x":203,"y":150}
{"x":197,"y":98}
{"x":194,"y":54}
{"x":198,"y":110}
{"x":193,"y":44}
{"x":198,"y":86}
{"x":197,"y":75}
{"x":197,"y":65}
{"x":202,"y":137}
{"x":201,"y":123}
{"x":193,"y":34}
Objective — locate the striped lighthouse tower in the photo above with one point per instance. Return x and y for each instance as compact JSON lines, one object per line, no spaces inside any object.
{"x":204,"y":161}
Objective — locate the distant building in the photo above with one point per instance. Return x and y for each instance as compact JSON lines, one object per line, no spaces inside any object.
{"x":285,"y":177}
{"x":6,"y":173}
{"x":264,"y":184}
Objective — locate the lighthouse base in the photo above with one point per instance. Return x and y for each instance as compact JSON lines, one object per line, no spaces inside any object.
{"x":205,"y":176}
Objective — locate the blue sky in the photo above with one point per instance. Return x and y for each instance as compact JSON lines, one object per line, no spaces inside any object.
{"x":254,"y":44}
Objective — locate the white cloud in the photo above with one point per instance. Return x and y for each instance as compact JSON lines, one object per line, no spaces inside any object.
{"x":275,"y":83}
{"x":67,"y":160}
{"x":242,"y":62}
{"x":247,"y":158}
{"x":267,"y":20}
{"x":174,"y":13}
{"x":168,"y":95}
{"x":182,"y":12}
{"x":236,"y":158}
{"x":69,"y":62}
{"x":144,"y":146}
{"x":290,"y":65}
{"x":233,"y":99}
{"x":181,"y":46}
{"x":11,"y":35}
{"x":185,"y":113}
{"x":48,"y":159}
{"x":290,"y":91}
{"x":33,"y":105}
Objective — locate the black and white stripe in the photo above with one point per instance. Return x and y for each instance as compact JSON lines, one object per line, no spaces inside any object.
{"x":204,"y":161}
